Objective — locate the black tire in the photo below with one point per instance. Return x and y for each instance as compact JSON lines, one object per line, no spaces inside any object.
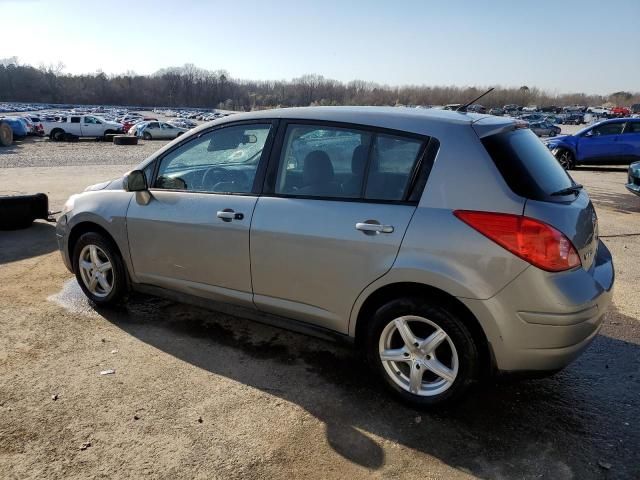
{"x":147,"y":136}
{"x":566,"y":159}
{"x":19,"y":211}
{"x":118,"y":271}
{"x":108,"y":137}
{"x":125,"y":140}
{"x":57,"y":135}
{"x":447,"y":319}
{"x":6,"y":135}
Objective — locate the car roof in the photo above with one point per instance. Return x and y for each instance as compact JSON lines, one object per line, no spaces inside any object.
{"x":397,"y":118}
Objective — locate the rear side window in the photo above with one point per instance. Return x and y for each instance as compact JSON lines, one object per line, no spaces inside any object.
{"x":632,"y":127}
{"x":527,"y":166}
{"x":75,"y":119}
{"x":335,"y":162}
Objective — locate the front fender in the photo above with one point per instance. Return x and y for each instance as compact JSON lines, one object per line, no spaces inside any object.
{"x":107,"y":209}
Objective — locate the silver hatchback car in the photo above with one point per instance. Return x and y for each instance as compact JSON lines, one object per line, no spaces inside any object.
{"x":446,"y":245}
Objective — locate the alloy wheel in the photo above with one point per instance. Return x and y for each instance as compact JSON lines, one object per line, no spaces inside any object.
{"x":418,"y":355}
{"x":96,"y":270}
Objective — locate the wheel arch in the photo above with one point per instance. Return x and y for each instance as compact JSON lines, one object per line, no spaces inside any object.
{"x":85,"y":227}
{"x":391,"y":291}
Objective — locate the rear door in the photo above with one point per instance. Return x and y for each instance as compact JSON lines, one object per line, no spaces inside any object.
{"x":532,"y":172}
{"x":601,"y":144}
{"x":336,"y":205}
{"x":630,"y":141}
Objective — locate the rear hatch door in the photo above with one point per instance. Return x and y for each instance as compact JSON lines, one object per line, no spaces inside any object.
{"x":553,"y":197}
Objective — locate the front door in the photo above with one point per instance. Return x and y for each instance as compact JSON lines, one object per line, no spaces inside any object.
{"x":193,"y":235}
{"x":332,"y":220}
{"x":601,"y":144}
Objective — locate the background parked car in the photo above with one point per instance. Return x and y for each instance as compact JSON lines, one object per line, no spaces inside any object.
{"x":634,"y":178}
{"x":159,"y":130}
{"x":611,"y":141}
{"x":545,"y":129}
{"x":18,"y":127}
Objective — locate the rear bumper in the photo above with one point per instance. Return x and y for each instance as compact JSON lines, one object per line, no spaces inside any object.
{"x":542,"y":321}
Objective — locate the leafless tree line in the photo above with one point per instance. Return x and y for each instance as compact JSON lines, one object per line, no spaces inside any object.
{"x":190,"y":86}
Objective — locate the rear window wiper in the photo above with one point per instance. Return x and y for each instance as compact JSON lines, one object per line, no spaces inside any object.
{"x":575,"y":188}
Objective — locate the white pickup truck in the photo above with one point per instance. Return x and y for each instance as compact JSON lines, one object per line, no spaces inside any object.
{"x":80,"y":126}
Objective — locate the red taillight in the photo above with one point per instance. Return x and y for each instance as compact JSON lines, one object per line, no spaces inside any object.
{"x":533,"y":241}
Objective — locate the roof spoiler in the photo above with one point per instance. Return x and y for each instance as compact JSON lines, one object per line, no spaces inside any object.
{"x":490,"y":125}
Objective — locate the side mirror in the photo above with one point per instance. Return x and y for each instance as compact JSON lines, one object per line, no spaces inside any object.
{"x":135,"y":181}
{"x":589,"y":133}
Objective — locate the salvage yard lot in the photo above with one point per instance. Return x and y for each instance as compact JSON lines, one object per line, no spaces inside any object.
{"x":198,"y":394}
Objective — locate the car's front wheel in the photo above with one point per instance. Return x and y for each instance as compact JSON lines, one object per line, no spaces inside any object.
{"x":99,"y":269}
{"x":423,"y":351}
{"x":566,"y":159}
{"x":147,"y":136}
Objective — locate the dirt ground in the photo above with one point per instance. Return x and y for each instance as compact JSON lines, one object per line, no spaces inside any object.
{"x":198,"y":394}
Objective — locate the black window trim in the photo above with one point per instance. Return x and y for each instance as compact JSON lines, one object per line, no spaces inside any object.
{"x":262,"y":163}
{"x":422,"y":165}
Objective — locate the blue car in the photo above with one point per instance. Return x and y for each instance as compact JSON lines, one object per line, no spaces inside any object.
{"x":610,"y":142}
{"x":18,"y":126}
{"x":634,"y":178}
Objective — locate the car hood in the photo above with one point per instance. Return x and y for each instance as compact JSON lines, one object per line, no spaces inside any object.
{"x":114,"y":184}
{"x":557,"y":139}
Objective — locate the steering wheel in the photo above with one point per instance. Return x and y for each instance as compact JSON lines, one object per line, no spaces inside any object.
{"x":216,"y":175}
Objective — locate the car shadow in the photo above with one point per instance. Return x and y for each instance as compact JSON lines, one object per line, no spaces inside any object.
{"x":38,"y":239}
{"x":558,"y":427}
{"x":625,"y":202}
{"x":607,"y":168}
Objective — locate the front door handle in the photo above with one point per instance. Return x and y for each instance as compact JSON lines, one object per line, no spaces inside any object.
{"x":371,"y":228}
{"x":228,"y":215}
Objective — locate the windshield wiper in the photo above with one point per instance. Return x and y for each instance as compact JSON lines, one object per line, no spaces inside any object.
{"x":575,"y":188}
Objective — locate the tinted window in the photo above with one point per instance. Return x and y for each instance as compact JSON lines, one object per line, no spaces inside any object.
{"x":221,"y":161}
{"x":75,"y":119}
{"x":323,"y":161}
{"x":607,"y":129}
{"x":632,"y":127}
{"x":527,"y":166}
{"x":392,"y":163}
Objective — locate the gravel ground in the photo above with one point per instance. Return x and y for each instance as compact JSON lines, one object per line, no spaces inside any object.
{"x":198,"y":394}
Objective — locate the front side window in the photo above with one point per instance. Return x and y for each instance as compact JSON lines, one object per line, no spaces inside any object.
{"x":335,"y":162}
{"x":221,"y":161}
{"x":608,"y":129}
{"x":166,"y":126}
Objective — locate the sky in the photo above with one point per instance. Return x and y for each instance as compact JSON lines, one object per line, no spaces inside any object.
{"x":558,"y":45}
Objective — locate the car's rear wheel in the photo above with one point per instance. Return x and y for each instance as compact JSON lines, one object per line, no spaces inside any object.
{"x":99,"y":269}
{"x":566,"y":159}
{"x":423,"y":351}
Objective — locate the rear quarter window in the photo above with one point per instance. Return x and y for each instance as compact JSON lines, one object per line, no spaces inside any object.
{"x":527,"y":165}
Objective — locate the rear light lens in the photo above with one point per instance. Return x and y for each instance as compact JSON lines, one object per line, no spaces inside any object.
{"x":533,"y":241}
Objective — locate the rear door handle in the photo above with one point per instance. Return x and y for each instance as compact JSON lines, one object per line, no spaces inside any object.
{"x":228,"y":214}
{"x":373,"y":228}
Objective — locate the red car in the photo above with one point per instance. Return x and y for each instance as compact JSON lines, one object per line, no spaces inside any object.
{"x":620,"y":112}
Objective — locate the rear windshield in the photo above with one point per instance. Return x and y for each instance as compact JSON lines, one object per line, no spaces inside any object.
{"x":527,"y":165}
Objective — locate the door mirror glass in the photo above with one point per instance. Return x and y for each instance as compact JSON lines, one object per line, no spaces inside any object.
{"x":588,"y":133}
{"x":135,"y":181}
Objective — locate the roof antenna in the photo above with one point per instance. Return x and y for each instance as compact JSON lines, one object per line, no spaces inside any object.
{"x":463,"y":108}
